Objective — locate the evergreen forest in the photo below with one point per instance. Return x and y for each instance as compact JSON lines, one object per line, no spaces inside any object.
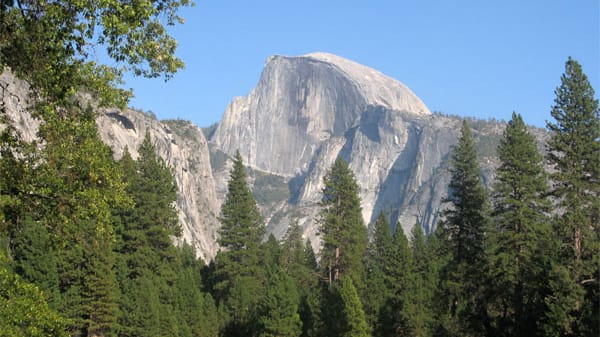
{"x":87,"y":240}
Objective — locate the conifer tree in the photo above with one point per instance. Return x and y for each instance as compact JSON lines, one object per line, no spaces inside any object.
{"x":466,"y":223}
{"x":379,"y":280}
{"x":241,"y":229}
{"x":519,"y":256}
{"x":408,"y":301}
{"x":279,"y":309}
{"x":342,"y":228}
{"x":353,"y":322}
{"x":239,"y":278}
{"x":149,"y":265}
{"x":424,"y":284}
{"x":293,"y":258}
{"x":573,"y":151}
{"x":310,"y":294}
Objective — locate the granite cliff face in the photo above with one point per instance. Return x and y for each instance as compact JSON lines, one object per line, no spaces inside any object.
{"x":304,"y":113}
{"x":181,"y":144}
{"x":184,"y":148}
{"x":307,"y":111}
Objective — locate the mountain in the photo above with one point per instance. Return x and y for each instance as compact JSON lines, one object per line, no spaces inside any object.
{"x":181,"y":144}
{"x":307,"y":111}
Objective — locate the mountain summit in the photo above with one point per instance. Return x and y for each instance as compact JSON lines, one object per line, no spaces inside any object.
{"x":300,"y":102}
{"x":377,"y":88}
{"x":307,"y":111}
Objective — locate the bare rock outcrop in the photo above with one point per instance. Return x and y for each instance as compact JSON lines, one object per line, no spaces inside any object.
{"x":181,"y":144}
{"x":307,"y":111}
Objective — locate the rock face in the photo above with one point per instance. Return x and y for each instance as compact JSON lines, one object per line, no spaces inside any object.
{"x":181,"y":144}
{"x":299,"y":103}
{"x":307,"y":111}
{"x":184,"y":148}
{"x":304,"y":113}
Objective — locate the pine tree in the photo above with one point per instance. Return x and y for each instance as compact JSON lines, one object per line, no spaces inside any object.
{"x":292,"y":255}
{"x":521,"y":245}
{"x":100,"y":285}
{"x":407,"y":302}
{"x":147,"y":257}
{"x":279,"y":308}
{"x":573,"y":150}
{"x":311,"y":292}
{"x":341,"y":226}
{"x":466,"y":223}
{"x":424,"y":283}
{"x":35,"y":259}
{"x":239,"y":278}
{"x":353,"y":321}
{"x":241,"y":229}
{"x":379,"y":281}
{"x":189,"y":300}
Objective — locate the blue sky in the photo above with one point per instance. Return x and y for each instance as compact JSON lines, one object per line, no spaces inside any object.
{"x":472,"y":58}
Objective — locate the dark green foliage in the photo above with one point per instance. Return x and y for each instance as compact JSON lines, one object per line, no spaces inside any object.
{"x":573,"y":150}
{"x":379,"y":278}
{"x":242,"y":305}
{"x":343,"y":231}
{"x":100,"y":286}
{"x":160,"y":285}
{"x":353,"y":323}
{"x":241,"y":231}
{"x":240,"y":279}
{"x":23,"y":308}
{"x":35,"y":260}
{"x":423,"y":283}
{"x":407,"y":301}
{"x":522,"y":248}
{"x":466,"y":220}
{"x":466,"y":223}
{"x":279,"y":307}
{"x":310,"y":288}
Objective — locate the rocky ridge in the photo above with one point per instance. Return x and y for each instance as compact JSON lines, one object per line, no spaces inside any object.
{"x":307,"y":111}
{"x":181,"y":144}
{"x":304,"y":113}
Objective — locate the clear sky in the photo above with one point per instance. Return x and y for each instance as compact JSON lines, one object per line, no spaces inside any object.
{"x":472,"y":58}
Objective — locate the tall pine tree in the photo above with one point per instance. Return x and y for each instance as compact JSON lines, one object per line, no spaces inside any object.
{"x":573,"y":150}
{"x":521,"y":248}
{"x":239,"y":278}
{"x":344,"y":234}
{"x":466,"y":223}
{"x":242,"y":228}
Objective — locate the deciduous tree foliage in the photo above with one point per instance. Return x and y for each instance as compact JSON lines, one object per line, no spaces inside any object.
{"x":23,"y":308}
{"x":51,"y":44}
